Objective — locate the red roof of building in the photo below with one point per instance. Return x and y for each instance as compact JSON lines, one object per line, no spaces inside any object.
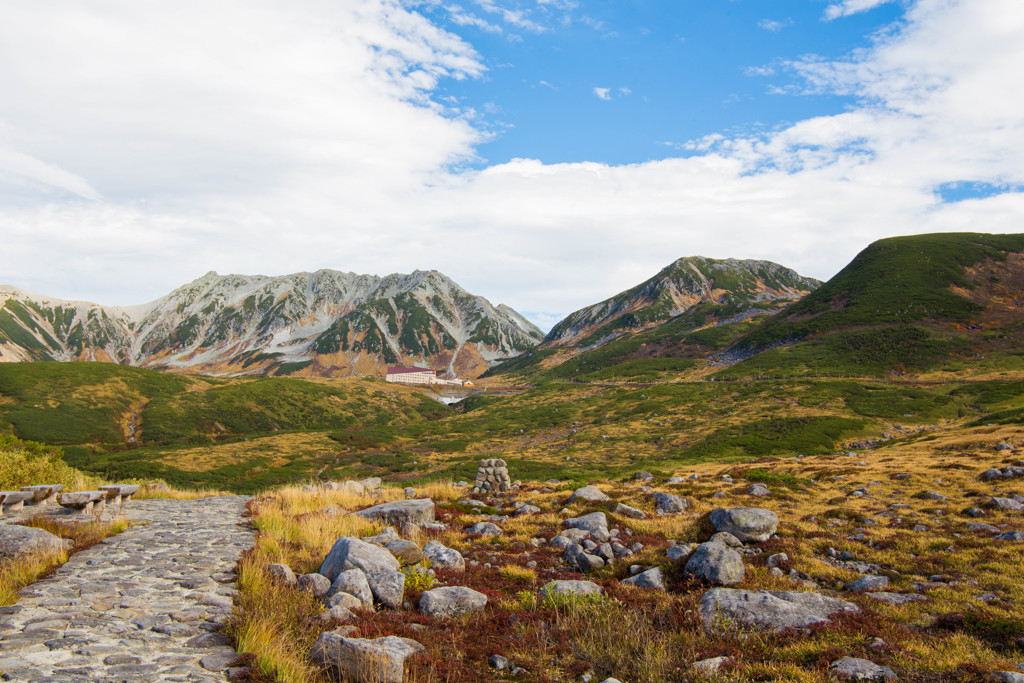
{"x":400,"y":370}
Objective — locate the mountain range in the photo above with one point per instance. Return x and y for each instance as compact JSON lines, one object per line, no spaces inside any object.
{"x":326,"y":323}
{"x":903,"y":303}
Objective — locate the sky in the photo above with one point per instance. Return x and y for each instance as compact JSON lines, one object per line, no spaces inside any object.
{"x":545,"y":154}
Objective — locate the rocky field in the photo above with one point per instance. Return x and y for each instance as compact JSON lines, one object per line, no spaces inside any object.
{"x":850,"y":566}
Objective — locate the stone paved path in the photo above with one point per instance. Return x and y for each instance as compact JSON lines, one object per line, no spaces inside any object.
{"x":141,"y":606}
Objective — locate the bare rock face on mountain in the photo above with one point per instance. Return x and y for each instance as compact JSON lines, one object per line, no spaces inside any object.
{"x":325,"y":323}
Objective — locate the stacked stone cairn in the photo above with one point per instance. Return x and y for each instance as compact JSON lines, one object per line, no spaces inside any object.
{"x":492,"y":477}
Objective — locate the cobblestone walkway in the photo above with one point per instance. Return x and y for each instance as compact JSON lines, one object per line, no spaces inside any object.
{"x":141,"y":606}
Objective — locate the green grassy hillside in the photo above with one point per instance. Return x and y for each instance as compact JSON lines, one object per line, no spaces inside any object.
{"x":893,"y":309}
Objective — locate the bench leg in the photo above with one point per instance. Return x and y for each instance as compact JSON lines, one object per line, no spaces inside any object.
{"x":100,"y":506}
{"x":116,"y":500}
{"x":49,"y":500}
{"x":20,"y":505}
{"x":88,"y":508}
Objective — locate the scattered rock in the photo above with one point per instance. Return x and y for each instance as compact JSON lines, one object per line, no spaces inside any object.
{"x":709,"y":667}
{"x":381,"y":660}
{"x":867,"y":583}
{"x":352,"y":553}
{"x":383,"y":538}
{"x":387,"y":587}
{"x":498,"y":662}
{"x":750,"y":525}
{"x":353,"y":582}
{"x":345,"y":600}
{"x":652,"y":579}
{"x":589,"y":493}
{"x":595,"y":524}
{"x":679,"y":552}
{"x":854,"y":669}
{"x":666,"y":503}
{"x":1010,"y":536}
{"x":442,"y":557}
{"x":485,"y":529}
{"x":317,"y":584}
{"x":716,"y":564}
{"x":281,"y":573}
{"x":405,"y":551}
{"x":896,"y":598}
{"x":337,"y":613}
{"x":1004,"y":504}
{"x":451,"y":601}
{"x":20,"y":542}
{"x":725,"y":538}
{"x":1007,"y":677}
{"x":627,"y":511}
{"x":557,"y":588}
{"x":758,"y":490}
{"x":767,"y":610}
{"x":418,"y":511}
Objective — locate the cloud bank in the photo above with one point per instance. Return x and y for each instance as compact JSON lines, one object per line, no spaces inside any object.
{"x":141,"y":148}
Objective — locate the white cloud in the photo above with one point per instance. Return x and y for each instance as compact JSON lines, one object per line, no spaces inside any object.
{"x":775,"y":26}
{"x":305,"y":136}
{"x":848,"y":7}
{"x":603,"y":93}
{"x":463,"y":18}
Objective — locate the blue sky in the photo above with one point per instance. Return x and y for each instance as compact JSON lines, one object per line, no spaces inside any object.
{"x":545,"y":154}
{"x":671,"y":71}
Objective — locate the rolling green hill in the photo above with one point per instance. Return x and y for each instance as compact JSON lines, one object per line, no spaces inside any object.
{"x":903,"y":304}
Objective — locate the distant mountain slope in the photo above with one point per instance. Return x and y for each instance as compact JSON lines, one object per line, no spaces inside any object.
{"x":323,"y":323}
{"x":659,"y":318}
{"x":702,"y":287}
{"x":903,"y":302}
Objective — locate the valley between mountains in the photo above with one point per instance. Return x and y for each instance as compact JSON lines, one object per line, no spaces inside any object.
{"x":878,"y":416}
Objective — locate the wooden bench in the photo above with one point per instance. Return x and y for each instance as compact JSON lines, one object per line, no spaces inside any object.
{"x":118,"y":492}
{"x":44,"y":494}
{"x":86,"y":501}
{"x":13,"y":500}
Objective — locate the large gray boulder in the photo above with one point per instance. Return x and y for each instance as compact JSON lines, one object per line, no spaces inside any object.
{"x":352,"y":553}
{"x":856,"y":669}
{"x":442,"y":557}
{"x":21,"y":542}
{"x":588,"y":493}
{"x":381,"y":660}
{"x":451,"y":601}
{"x":353,"y":582}
{"x":716,"y":564}
{"x":750,"y":525}
{"x":419,"y":511}
{"x":387,"y":587}
{"x":595,"y":524}
{"x":726,"y":608}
